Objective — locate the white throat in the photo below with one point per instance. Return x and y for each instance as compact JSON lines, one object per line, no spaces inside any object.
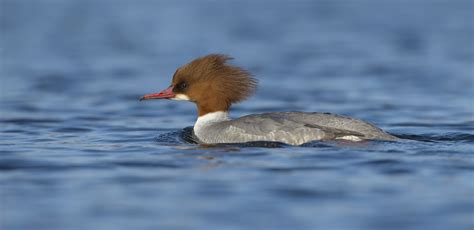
{"x":209,"y":119}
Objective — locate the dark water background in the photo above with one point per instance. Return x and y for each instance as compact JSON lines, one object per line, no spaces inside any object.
{"x":78,"y":151}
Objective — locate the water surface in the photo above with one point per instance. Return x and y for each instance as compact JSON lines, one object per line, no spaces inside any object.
{"x":78,"y":151}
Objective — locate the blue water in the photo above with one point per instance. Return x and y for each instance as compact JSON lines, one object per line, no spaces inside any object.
{"x":78,"y":151}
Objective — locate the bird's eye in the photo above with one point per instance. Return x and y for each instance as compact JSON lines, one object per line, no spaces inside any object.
{"x":181,"y":86}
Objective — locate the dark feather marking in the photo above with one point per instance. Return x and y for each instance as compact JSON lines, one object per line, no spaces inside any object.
{"x":335,"y":132}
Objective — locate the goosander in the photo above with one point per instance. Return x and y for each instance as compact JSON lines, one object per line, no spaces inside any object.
{"x":214,"y":85}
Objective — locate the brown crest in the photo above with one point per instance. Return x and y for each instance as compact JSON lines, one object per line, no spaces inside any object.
{"x":213,"y":83}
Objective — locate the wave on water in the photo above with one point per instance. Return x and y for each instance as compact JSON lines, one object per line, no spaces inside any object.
{"x":457,"y":137}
